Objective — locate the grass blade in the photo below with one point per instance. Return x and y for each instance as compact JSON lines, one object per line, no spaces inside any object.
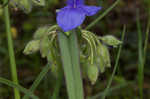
{"x":38,"y":80}
{"x":113,"y":89}
{"x":14,"y":85}
{"x":146,"y":38}
{"x":140,"y":58}
{"x":102,"y":15}
{"x":11,"y":50}
{"x":116,"y":65}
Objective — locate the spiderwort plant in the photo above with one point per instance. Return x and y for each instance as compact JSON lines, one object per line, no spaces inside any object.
{"x":69,"y":18}
{"x":73,"y":15}
{"x":94,"y":56}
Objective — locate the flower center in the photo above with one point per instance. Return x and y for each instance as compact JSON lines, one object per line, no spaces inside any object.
{"x":75,"y":3}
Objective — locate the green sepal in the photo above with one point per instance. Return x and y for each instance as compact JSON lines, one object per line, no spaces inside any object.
{"x":67,"y":33}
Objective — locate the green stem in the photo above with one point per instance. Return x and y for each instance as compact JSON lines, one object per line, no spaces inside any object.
{"x":73,"y":44}
{"x":57,"y":87}
{"x":14,"y":85}
{"x":38,"y":80}
{"x":115,"y":67}
{"x":140,"y":58}
{"x":11,"y":50}
{"x":102,"y":15}
{"x":146,"y":39}
{"x":67,"y":65}
{"x":113,"y":89}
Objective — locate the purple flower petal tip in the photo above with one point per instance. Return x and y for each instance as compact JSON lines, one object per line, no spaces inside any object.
{"x":91,"y":10}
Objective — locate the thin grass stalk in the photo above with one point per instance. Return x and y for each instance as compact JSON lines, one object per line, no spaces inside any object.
{"x":57,"y":86}
{"x":38,"y":80}
{"x":115,"y":67}
{"x":113,"y":89}
{"x":59,"y":78}
{"x":18,"y":87}
{"x":102,"y":15}
{"x":11,"y":50}
{"x":74,"y":49}
{"x":67,"y":64}
{"x":140,"y":58}
{"x":146,"y":41}
{"x":146,"y":37}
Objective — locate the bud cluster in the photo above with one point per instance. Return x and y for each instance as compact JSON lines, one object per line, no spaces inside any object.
{"x":94,"y":52}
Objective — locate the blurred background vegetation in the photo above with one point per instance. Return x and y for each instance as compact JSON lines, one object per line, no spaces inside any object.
{"x":124,"y":85}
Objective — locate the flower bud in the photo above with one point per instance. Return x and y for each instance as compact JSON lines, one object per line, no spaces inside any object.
{"x":31,"y":47}
{"x":25,"y":5}
{"x":1,"y":11}
{"x":111,"y":40}
{"x":40,"y":32}
{"x":100,"y":63}
{"x":93,"y":73}
{"x":44,"y":46}
{"x":39,"y":2}
{"x":49,"y":56}
{"x":104,"y":54}
{"x":54,"y":69}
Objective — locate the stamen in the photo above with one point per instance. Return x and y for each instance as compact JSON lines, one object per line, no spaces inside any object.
{"x":75,"y":4}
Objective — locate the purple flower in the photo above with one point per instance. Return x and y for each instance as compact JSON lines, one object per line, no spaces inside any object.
{"x":73,"y":15}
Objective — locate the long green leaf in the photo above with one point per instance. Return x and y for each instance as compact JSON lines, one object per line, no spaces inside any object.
{"x":73,"y":44}
{"x":67,"y":64}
